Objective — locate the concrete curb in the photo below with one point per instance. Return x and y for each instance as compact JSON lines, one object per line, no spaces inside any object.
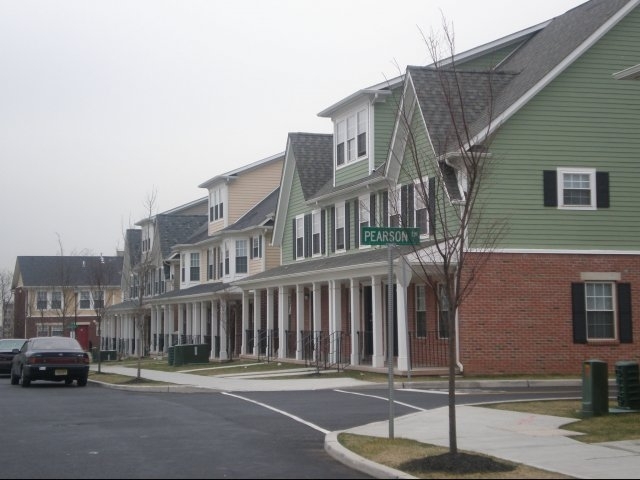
{"x":345,"y":456}
{"x":153,"y":388}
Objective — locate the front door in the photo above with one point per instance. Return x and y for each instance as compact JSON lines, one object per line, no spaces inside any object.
{"x":82,"y":335}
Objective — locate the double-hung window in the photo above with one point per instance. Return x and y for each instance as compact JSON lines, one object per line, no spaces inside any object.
{"x":364,"y":214}
{"x":420,"y":198}
{"x":42,"y":300}
{"x":351,"y":137}
{"x":98,"y":299}
{"x":443,"y":312}
{"x":56,"y":300}
{"x":576,"y":188}
{"x":340,"y":226}
{"x":216,"y":205}
{"x":194,"y":267}
{"x":316,"y":231}
{"x":85,"y":299}
{"x":226,"y":258}
{"x":183,"y":267}
{"x":395,"y":207}
{"x":241,"y":256}
{"x":599,"y":309}
{"x":256,"y":246}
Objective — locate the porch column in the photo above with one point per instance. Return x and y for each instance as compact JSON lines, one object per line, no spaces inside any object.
{"x":299,"y":319}
{"x":402,"y":283}
{"x":256,"y":321}
{"x":270,"y":331}
{"x":377,"y":360}
{"x":245,"y":321}
{"x":283,"y":307}
{"x":355,"y":319}
{"x":335,"y":317}
{"x":181,"y":332}
{"x":165,"y":328}
{"x":215,"y":321}
{"x":224,"y":354}
{"x":189,"y":332}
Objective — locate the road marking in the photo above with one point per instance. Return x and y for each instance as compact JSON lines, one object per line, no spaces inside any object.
{"x":294,"y":417}
{"x":382,"y":398}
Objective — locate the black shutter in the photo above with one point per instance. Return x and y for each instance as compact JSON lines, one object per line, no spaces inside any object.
{"x":550,"y":188}
{"x":404,"y":211}
{"x":385,"y":209}
{"x":579,"y":313}
{"x":294,"y":239}
{"x":372,"y":211}
{"x":410,"y":205}
{"x":323,"y":231}
{"x":332,"y":233}
{"x":602,"y":189}
{"x":356,"y":223}
{"x":260,"y":246}
{"x":251,"y":247}
{"x":307,"y":235}
{"x":347,"y":225}
{"x":432,"y":205}
{"x":624,"y":313}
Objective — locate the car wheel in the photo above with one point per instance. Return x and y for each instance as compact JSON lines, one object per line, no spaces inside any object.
{"x":26,"y":381}
{"x":82,"y":381}
{"x":15,"y":379}
{"x":68,"y":381}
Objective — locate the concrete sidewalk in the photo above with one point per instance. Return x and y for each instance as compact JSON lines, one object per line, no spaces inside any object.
{"x":535,"y":440}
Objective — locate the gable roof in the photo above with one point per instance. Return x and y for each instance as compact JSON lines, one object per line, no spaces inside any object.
{"x":175,"y":229}
{"x":61,"y":271}
{"x":234,"y":173}
{"x":550,"y":48}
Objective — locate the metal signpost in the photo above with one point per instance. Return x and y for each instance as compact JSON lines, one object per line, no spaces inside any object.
{"x":390,"y":237}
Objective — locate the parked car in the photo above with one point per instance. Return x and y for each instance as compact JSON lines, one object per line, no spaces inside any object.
{"x":8,"y":349}
{"x":54,"y":359}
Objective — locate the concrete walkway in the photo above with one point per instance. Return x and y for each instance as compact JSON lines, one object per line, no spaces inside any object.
{"x":536,"y":440}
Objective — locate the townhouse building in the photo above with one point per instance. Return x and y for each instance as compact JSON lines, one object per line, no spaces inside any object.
{"x":556,"y":109}
{"x":64,"y":295}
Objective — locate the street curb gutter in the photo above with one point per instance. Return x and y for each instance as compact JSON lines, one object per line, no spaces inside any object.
{"x":347,"y":457}
{"x":152,"y":388}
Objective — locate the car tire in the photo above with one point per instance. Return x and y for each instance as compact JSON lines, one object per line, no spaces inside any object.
{"x":82,"y":381}
{"x":15,"y":379}
{"x":26,"y":381}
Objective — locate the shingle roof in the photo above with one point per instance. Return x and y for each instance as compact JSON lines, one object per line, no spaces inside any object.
{"x":53,"y":271}
{"x":177,"y":229}
{"x":314,"y":160}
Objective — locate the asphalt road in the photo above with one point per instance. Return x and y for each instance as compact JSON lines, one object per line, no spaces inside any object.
{"x":55,"y":431}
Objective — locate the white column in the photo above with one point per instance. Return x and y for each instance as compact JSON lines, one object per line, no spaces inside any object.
{"x":180,"y":322}
{"x":152,"y":328}
{"x":355,"y":319}
{"x":245,"y":321}
{"x":335,"y":316}
{"x":377,"y":313}
{"x":317,"y":306}
{"x":402,"y":332}
{"x":203,"y":321}
{"x":189,"y":332}
{"x":299,"y":319}
{"x":214,"y":328}
{"x":283,"y":305}
{"x":256,"y":320}
{"x":224,"y":354}
{"x":270,"y":303}
{"x":165,"y":321}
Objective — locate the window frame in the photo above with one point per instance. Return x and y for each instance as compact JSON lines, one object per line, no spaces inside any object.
{"x":591,"y":173}
{"x":194,"y":266}
{"x":340,"y":227}
{"x":351,"y":134}
{"x":421,"y":311}
{"x":242,"y":246}
{"x":443,"y":313}
{"x":612,"y":297}
{"x":298,"y":241}
{"x":316,"y":233}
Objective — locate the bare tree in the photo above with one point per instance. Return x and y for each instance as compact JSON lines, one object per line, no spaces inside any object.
{"x":69,"y":293}
{"x":457,"y":158}
{"x":6,"y":295}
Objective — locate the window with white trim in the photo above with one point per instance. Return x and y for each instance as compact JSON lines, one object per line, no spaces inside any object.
{"x":256,"y":246}
{"x":420,"y":205}
{"x":41,"y":300}
{"x":216,"y":205}
{"x":600,"y":310}
{"x":226,"y":258}
{"x":364,"y":214}
{"x":98,"y":299}
{"x":577,"y":188}
{"x":395,"y":206}
{"x":316,"y":230}
{"x":351,"y":137}
{"x":299,"y":246}
{"x":242,"y":251}
{"x":56,"y":300}
{"x":340,"y":227}
{"x":85,"y":299}
{"x":194,"y":267}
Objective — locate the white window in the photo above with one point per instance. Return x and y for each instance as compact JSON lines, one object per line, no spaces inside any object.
{"x":316,"y":227}
{"x":41,"y":300}
{"x":256,"y":246}
{"x":56,"y":300}
{"x":443,"y":312}
{"x":242,"y":252}
{"x":395,"y":207}
{"x":421,"y":311}
{"x":577,"y":188}
{"x":299,"y":237}
{"x":85,"y":299}
{"x":98,"y":299}
{"x":194,"y":267}
{"x":216,"y":205}
{"x":340,"y":228}
{"x":600,"y":310}
{"x":351,"y":137}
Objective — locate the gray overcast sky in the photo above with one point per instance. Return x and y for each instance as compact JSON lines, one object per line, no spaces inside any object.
{"x":102,"y":102}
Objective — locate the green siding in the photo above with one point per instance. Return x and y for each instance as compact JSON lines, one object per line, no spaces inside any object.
{"x":352,"y":172}
{"x":584,"y":118}
{"x":296,"y":207}
{"x":384,"y":121}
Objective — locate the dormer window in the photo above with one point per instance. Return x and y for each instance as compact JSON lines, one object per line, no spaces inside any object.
{"x":216,"y":205}
{"x":351,"y":137}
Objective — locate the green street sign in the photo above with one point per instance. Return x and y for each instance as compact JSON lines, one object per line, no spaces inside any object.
{"x":389,"y":235}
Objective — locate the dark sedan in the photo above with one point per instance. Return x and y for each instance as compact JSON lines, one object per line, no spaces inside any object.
{"x":55,"y":359}
{"x":8,"y":349}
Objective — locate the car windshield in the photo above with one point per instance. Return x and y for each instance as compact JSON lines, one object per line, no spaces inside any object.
{"x":55,"y":343}
{"x":8,"y":344}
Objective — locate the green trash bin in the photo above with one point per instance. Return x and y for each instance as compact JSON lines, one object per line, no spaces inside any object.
{"x":170,"y":355}
{"x":628,"y":381}
{"x":595,"y":388}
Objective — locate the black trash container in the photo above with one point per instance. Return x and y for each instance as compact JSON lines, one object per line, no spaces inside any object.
{"x":595,"y":388}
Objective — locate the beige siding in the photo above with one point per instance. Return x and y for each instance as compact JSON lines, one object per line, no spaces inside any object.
{"x":250,"y":188}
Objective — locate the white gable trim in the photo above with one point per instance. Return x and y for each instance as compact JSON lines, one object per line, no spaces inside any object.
{"x":282,"y":207}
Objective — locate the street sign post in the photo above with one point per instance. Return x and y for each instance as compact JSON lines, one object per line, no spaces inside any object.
{"x":390,"y":236}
